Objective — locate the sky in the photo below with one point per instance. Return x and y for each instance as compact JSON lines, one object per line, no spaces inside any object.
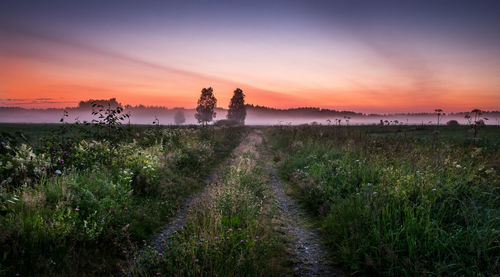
{"x":367,"y":56}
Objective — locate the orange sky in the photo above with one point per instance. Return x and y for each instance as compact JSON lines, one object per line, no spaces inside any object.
{"x":31,"y":83}
{"x":57,"y":60}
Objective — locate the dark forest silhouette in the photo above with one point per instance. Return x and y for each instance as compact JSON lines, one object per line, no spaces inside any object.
{"x":254,"y":114}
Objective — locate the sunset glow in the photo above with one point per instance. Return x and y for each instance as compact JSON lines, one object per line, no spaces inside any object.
{"x":346,"y":55}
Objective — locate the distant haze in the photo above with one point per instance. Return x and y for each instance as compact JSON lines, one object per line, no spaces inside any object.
{"x":256,"y":115}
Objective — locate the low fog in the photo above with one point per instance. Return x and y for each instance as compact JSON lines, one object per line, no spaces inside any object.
{"x":255,"y":116}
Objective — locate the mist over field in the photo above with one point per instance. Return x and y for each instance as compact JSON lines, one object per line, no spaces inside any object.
{"x":255,"y":116}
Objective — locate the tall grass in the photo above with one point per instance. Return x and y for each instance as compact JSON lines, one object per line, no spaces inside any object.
{"x":90,"y":216}
{"x":397,"y":204}
{"x":231,"y":231}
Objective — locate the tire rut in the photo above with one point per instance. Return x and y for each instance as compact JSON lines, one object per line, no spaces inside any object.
{"x":180,"y":219}
{"x":311,"y":259}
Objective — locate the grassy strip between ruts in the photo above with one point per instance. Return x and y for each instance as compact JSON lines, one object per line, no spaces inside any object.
{"x":397,"y":205}
{"x":85,"y":219}
{"x":232,"y":230}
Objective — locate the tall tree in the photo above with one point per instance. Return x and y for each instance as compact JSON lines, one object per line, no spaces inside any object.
{"x":237,"y":111}
{"x":206,"y":106}
{"x":179,"y":117}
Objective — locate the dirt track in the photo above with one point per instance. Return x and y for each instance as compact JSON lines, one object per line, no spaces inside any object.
{"x":309,"y":257}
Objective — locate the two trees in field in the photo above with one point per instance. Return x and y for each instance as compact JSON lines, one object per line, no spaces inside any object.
{"x":205,"y":111}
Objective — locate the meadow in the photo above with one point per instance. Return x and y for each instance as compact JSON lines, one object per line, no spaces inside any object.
{"x":80,"y":200}
{"x":410,"y":200}
{"x":76,"y":202}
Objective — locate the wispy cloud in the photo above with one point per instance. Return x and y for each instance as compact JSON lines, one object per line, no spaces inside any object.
{"x":78,"y":46}
{"x":32,"y":101}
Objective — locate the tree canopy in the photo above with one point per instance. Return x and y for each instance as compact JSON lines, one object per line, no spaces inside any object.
{"x":237,"y":110}
{"x":206,"y":106}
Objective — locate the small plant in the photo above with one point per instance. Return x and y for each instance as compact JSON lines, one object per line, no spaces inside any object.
{"x":108,"y":124}
{"x":439,"y":113}
{"x":476,"y":120}
{"x":347,"y":118}
{"x":156,"y":122}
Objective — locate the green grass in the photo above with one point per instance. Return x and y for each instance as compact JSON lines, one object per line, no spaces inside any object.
{"x":231,"y":231}
{"x":392,"y":200}
{"x":396,"y":204}
{"x":107,"y":199}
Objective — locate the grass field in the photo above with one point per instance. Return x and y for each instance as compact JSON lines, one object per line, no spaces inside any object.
{"x":388,"y":200}
{"x":80,"y":206}
{"x":399,"y":201}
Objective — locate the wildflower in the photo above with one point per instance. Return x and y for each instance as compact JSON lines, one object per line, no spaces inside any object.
{"x":374,"y":193}
{"x":230,"y":229}
{"x":239,"y":229}
{"x":459,"y":166}
{"x":160,"y":254}
{"x":433,"y":189}
{"x":158,"y":273}
{"x":196,"y":260}
{"x":76,"y":209}
{"x":61,"y":161}
{"x":58,"y":172}
{"x":369,"y":184}
{"x":43,"y":168}
{"x":216,"y":238}
{"x":241,"y":241}
{"x":438,"y":183}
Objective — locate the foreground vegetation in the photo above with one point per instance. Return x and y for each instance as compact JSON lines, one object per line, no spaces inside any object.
{"x":231,"y":230}
{"x":399,"y":201}
{"x":83,"y":200}
{"x":80,"y":200}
